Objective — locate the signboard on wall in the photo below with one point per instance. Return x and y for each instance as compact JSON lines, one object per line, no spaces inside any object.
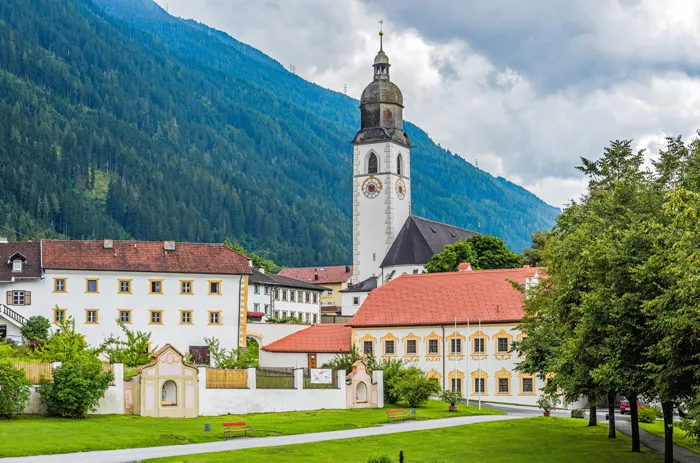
{"x":321,"y":376}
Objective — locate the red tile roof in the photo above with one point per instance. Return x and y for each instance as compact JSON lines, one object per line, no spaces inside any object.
{"x":315,"y":339}
{"x":337,"y":274}
{"x":143,"y":256}
{"x":31,"y":268}
{"x":437,"y":298}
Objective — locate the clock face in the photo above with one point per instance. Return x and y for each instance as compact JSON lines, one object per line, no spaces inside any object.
{"x":400,"y":189}
{"x":371,"y":187}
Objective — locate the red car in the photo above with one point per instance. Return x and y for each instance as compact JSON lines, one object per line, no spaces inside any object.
{"x":625,"y":406}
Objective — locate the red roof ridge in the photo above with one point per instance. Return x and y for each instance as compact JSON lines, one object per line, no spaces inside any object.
{"x":473,"y":272}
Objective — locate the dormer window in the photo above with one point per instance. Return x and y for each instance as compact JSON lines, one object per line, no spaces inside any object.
{"x":16,"y":260}
{"x":17,"y":265}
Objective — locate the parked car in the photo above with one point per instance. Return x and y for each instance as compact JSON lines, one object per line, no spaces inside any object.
{"x":625,"y":406}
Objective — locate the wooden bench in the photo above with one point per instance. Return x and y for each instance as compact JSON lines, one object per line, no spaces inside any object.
{"x":236,"y":426}
{"x":397,"y":414}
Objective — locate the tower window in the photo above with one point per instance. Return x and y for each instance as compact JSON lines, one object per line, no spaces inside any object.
{"x":372,"y":164}
{"x":399,"y":165}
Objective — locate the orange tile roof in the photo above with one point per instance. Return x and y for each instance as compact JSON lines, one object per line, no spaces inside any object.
{"x":315,"y":339}
{"x":437,"y":298}
{"x":143,"y":256}
{"x":336,"y":274}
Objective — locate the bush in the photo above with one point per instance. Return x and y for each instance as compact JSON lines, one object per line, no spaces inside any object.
{"x":413,"y":388}
{"x":578,"y":413}
{"x":132,"y":352}
{"x":77,"y":387}
{"x":64,"y":344}
{"x":657,"y":409}
{"x":382,"y":459}
{"x":392,"y":369}
{"x":548,"y":402}
{"x":36,"y":330}
{"x":15,"y":390}
{"x":238,"y":358}
{"x":451,"y":397}
{"x":646,"y":414}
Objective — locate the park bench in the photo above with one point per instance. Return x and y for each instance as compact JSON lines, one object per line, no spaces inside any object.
{"x":232,"y":427}
{"x":397,"y":414}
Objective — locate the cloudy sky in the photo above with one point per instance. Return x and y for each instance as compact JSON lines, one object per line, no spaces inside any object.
{"x":524,"y":87}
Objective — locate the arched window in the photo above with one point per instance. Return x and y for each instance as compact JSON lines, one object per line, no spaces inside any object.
{"x":169,"y":393}
{"x":372,"y":164}
{"x":361,"y":393}
{"x":399,"y":165}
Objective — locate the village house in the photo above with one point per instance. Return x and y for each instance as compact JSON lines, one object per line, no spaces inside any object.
{"x":309,"y":348}
{"x":279,"y":297}
{"x":333,"y":279}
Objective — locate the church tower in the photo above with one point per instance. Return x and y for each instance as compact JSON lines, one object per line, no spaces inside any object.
{"x":381,"y":172}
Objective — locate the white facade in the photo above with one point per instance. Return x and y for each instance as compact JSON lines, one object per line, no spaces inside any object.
{"x":260,"y":299}
{"x":352,"y":302}
{"x":398,"y":270}
{"x":378,"y":215}
{"x":494,"y":367}
{"x":303,"y":304}
{"x":172,"y":315}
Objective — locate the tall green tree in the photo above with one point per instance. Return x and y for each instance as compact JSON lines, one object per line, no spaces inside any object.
{"x":481,"y":251}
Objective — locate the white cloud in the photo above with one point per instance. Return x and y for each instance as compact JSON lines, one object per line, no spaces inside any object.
{"x":528,"y":104}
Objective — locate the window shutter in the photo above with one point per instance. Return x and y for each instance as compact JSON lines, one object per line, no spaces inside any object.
{"x":9,"y":298}
{"x":27,"y":298}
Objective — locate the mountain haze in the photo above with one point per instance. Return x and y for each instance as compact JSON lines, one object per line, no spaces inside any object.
{"x":118,"y":120}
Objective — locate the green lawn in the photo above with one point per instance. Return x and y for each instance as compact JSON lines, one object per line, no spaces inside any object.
{"x":541,"y":440}
{"x":679,"y":437}
{"x":56,"y":435}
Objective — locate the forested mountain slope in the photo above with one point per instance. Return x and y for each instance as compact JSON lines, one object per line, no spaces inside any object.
{"x":118,"y":120}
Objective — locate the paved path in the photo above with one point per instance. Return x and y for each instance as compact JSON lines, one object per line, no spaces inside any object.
{"x":130,"y":455}
{"x":654,"y":442}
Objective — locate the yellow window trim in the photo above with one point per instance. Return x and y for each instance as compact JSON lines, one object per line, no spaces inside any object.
{"x":191,"y":282}
{"x":500,"y":355}
{"x":65,"y":313}
{"x":522,"y":376}
{"x":119,"y":286}
{"x":150,"y":317}
{"x":97,"y":285}
{"x":450,"y":337}
{"x":476,"y":374}
{"x":460,"y":375}
{"x":434,"y":356}
{"x":97,"y":316}
{"x":65,"y":285}
{"x":481,"y":335}
{"x":389,"y":337}
{"x":191,"y":312}
{"x":150,"y":286}
{"x":411,"y":357}
{"x":209,"y":312}
{"x":131,"y":316}
{"x":367,"y":337}
{"x":209,"y":282}
{"x":503,"y":374}
{"x":433,"y":373}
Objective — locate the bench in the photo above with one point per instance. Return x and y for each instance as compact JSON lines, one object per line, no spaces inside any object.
{"x":396,"y":414}
{"x":236,"y":426}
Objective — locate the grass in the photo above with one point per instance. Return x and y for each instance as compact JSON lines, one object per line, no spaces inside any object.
{"x":679,"y":436}
{"x":541,"y":440}
{"x":108,"y":432}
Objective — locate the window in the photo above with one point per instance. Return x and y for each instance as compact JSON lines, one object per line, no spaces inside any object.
{"x":156,"y":287}
{"x":59,"y":285}
{"x":455,"y":346}
{"x":267,"y":309}
{"x":367,"y":347}
{"x":433,"y":346}
{"x":256,"y":307}
{"x":503,"y":345}
{"x":308,"y":318}
{"x":186,"y":287}
{"x":59,"y":315}
{"x":292,"y":295}
{"x":399,"y":164}
{"x":528,"y":387}
{"x":91,"y":316}
{"x":215,"y":287}
{"x":503,"y":385}
{"x":308,"y":297}
{"x":478,"y":345}
{"x":415,"y":271}
{"x":389,"y":347}
{"x":267,"y":290}
{"x":372,"y":164}
{"x":215,"y":317}
{"x":292,"y":315}
{"x":456,"y":384}
{"x":356,"y":300}
{"x":17,"y":265}
{"x":124,"y":287}
{"x":315,"y":298}
{"x":256,"y":288}
{"x":125,"y":316}
{"x":19,"y":298}
{"x":156,"y":317}
{"x":185,"y":317}
{"x":284,"y":314}
{"x":411,"y":346}
{"x":315,"y":319}
{"x":284,"y":294}
{"x":479,"y":386}
{"x":91,"y":285}
{"x":277,"y":314}
{"x":277,"y":294}
{"x":329,"y":292}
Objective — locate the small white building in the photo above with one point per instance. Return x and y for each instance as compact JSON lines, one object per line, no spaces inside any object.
{"x":276,"y":296}
{"x":307,"y":348}
{"x":179,"y":292}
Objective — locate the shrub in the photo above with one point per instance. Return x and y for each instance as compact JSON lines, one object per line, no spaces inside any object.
{"x":382,"y":459}
{"x":14,"y":391}
{"x":77,"y":387}
{"x":547,"y":402}
{"x":578,"y":413}
{"x":646,"y":414}
{"x":64,"y":344}
{"x":413,"y":388}
{"x":237,"y":358}
{"x":657,"y":409}
{"x":392,"y":369}
{"x":133,"y":352}
{"x":451,"y":397}
{"x":36,"y":330}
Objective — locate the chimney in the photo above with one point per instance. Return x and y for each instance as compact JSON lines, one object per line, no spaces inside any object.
{"x":169,"y":245}
{"x":526,"y":266}
{"x":315,"y":276}
{"x":347,"y":269}
{"x":464,"y":267}
{"x":108,"y":244}
{"x":3,"y":239}
{"x":250,"y":263}
{"x":261,"y":270}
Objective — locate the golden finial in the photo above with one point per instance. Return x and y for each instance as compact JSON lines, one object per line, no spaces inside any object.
{"x":381,"y":34}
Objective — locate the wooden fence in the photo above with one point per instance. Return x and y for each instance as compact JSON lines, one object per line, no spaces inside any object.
{"x":35,"y":371}
{"x":227,"y":379}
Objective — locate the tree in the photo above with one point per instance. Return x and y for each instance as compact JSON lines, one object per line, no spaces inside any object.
{"x":238,"y":358}
{"x":78,"y":385}
{"x":450,"y":258}
{"x":133,"y":351}
{"x":15,"y":390}
{"x":36,"y":329}
{"x":64,"y":343}
{"x":532,"y":255}
{"x":413,"y":388}
{"x":482,"y":251}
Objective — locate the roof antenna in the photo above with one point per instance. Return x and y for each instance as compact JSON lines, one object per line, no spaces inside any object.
{"x":381,"y":35}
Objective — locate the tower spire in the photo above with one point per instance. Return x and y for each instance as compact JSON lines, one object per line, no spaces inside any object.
{"x":381,"y":35}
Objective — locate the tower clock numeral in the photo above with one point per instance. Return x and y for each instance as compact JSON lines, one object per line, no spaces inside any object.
{"x":371,"y":187}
